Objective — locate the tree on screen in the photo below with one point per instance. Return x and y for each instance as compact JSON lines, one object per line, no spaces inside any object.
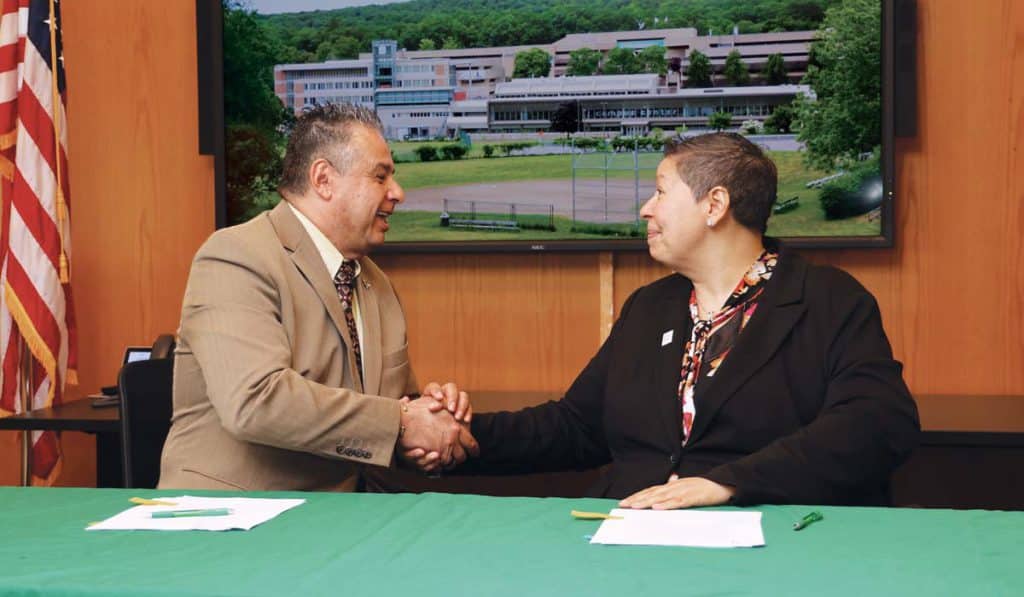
{"x":249,"y":59}
{"x":532,"y":63}
{"x":652,"y":60}
{"x":621,"y":61}
{"x":781,"y":119}
{"x":339,"y":48}
{"x":775,"y":70}
{"x":736,"y":71}
{"x":583,"y":62}
{"x":698,"y":74}
{"x":720,"y":121}
{"x":844,"y":121}
{"x":566,"y":118}
{"x":252,"y":111}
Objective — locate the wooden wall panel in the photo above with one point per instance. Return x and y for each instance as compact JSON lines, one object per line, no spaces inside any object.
{"x":141,"y":196}
{"x":500,"y":322}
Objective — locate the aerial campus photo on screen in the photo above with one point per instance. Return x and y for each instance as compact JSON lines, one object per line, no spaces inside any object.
{"x":534,"y":120}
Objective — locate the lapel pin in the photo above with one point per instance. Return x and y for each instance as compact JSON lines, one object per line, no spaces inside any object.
{"x":666,"y":338}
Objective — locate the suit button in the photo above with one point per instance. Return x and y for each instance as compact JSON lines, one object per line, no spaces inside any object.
{"x":674,"y":459}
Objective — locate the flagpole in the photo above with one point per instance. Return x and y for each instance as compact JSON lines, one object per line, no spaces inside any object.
{"x":62,"y":207}
{"x":25,"y":389}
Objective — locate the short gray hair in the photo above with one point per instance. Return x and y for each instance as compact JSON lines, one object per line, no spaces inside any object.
{"x":318,"y":131}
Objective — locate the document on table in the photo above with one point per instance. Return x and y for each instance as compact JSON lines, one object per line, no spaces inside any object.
{"x":245,"y":513}
{"x":688,"y":528}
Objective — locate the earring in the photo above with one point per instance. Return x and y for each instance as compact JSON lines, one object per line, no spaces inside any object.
{"x":710,"y":223}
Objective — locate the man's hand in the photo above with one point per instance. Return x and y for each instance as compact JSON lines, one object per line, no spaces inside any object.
{"x":455,"y":401}
{"x":432,"y":439}
{"x":688,"y":492}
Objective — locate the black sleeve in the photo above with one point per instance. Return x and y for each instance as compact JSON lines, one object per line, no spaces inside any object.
{"x":561,"y":434}
{"x":867,"y":425}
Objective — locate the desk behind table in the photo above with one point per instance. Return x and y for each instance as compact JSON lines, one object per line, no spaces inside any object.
{"x":80,"y":415}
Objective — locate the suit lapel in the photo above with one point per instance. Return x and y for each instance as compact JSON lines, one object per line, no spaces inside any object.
{"x":674,"y":310}
{"x":778,"y":311}
{"x":369,"y":312}
{"x":308,"y":260}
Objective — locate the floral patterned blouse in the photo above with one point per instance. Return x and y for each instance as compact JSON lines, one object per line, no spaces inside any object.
{"x":726,"y":326}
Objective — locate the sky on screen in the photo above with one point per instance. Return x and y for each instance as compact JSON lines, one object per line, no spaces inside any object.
{"x":275,"y":6}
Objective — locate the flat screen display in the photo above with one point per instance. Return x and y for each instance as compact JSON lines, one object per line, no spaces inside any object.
{"x":537,"y":125}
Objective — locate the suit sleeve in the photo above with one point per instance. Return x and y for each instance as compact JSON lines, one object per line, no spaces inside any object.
{"x":412,"y":386}
{"x":866,"y":427}
{"x":231,"y":320}
{"x":561,"y":434}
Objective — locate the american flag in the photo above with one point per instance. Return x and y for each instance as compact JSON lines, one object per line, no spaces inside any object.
{"x":36,"y":315}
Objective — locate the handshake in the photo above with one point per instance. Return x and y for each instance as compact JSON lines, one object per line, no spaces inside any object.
{"x":435,"y":429}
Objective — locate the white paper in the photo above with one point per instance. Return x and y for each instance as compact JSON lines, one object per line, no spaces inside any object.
{"x":688,"y":528}
{"x":246,"y":514}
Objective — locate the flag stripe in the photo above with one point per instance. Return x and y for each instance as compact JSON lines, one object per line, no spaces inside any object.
{"x":45,"y":453}
{"x":37,"y":223}
{"x":39,"y":179}
{"x":37,"y":124}
{"x":32,"y":304}
{"x":38,"y":79}
{"x":37,"y":264}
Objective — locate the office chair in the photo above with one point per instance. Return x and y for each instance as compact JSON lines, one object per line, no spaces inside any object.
{"x":145,"y":388}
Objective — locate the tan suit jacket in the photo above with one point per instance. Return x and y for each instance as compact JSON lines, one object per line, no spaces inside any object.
{"x":265,"y":395}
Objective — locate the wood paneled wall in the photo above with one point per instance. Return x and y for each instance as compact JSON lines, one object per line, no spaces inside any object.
{"x":141,"y":196}
{"x":951,"y":292}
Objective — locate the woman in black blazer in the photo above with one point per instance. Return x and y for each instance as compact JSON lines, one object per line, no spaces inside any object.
{"x":748,"y":376}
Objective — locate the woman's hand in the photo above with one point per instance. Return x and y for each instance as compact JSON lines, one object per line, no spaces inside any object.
{"x":689,"y":492}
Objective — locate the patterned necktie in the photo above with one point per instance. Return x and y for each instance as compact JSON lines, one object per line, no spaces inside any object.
{"x":345,"y":281}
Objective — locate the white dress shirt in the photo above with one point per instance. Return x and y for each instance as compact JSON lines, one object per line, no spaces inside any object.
{"x":332,"y":261}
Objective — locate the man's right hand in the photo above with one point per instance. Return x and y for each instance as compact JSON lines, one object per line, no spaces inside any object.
{"x":432,"y":438}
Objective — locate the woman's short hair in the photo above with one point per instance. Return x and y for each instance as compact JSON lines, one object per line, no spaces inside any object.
{"x":323,"y":131}
{"x":733,"y":162}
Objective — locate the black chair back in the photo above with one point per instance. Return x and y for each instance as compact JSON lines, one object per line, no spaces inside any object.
{"x":145,"y":388}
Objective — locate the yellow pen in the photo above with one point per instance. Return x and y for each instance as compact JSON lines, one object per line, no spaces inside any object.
{"x":146,"y":502}
{"x":581,"y":515}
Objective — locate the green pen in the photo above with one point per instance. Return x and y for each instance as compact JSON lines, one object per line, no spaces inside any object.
{"x":806,"y":520}
{"x":186,"y":513}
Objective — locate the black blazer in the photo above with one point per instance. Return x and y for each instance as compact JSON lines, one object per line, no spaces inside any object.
{"x":808,"y":407}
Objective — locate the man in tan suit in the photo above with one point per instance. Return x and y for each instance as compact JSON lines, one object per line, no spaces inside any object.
{"x":292,"y":351}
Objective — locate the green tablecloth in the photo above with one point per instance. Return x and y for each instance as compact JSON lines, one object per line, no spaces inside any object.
{"x":438,"y":544}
